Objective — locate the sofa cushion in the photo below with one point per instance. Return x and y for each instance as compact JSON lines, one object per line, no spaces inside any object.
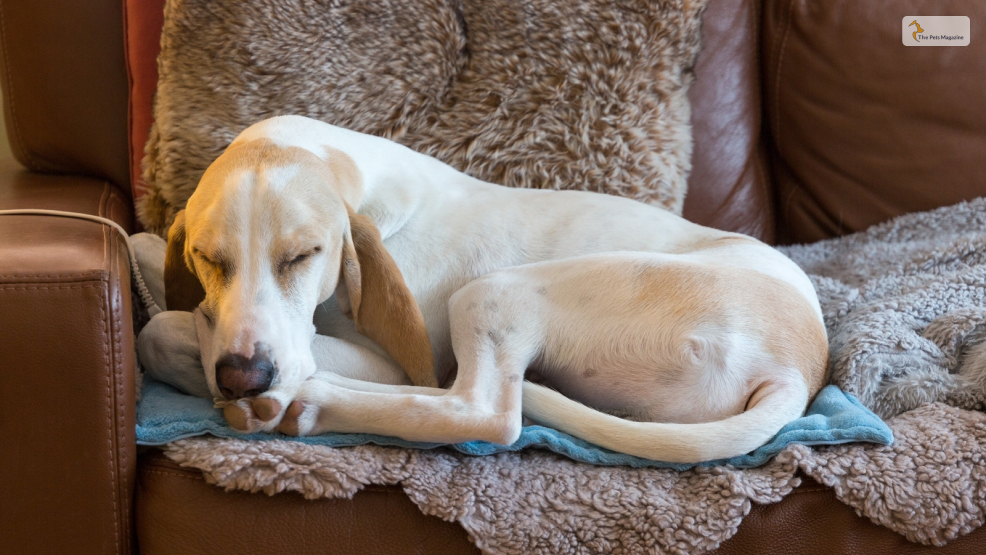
{"x":727,"y":189}
{"x":178,"y":512}
{"x":65,"y":86}
{"x":863,"y":127}
{"x":584,"y":95}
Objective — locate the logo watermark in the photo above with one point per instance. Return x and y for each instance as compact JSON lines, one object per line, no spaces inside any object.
{"x":935,"y":30}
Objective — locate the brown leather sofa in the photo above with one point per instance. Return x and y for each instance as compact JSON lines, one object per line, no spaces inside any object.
{"x":811,"y":120}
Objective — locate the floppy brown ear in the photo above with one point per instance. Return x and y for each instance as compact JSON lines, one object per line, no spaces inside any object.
{"x":382,"y":306}
{"x":182,"y":289}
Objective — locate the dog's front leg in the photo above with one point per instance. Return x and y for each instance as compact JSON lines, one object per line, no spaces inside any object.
{"x":339,"y":363}
{"x":494,"y":338}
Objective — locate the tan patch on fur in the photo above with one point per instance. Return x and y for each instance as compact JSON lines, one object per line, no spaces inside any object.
{"x":236,"y":417}
{"x":338,"y":170}
{"x":182,"y":289}
{"x":383,"y":308}
{"x":289,"y":423}
{"x":265,"y":154}
{"x":792,"y":332}
{"x":266,"y":409}
{"x":349,"y":181}
{"x":685,"y":291}
{"x":771,"y":309}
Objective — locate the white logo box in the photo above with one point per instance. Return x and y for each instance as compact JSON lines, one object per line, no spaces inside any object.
{"x":935,"y":30}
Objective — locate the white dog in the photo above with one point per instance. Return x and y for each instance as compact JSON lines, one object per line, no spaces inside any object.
{"x":655,"y":336}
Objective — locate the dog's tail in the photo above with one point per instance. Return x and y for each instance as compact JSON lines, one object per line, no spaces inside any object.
{"x":775,"y":403}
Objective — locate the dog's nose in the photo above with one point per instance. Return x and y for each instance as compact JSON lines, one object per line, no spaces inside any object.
{"x":238,"y":376}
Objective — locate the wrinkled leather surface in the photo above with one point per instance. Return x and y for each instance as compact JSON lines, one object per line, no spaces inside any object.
{"x":811,"y":521}
{"x":728,"y":187}
{"x":865,"y":128}
{"x":66,"y":369}
{"x":179,"y":513}
{"x":65,"y":86}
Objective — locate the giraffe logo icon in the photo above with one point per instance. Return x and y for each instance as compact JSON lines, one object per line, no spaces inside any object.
{"x":935,"y":30}
{"x":915,"y":33}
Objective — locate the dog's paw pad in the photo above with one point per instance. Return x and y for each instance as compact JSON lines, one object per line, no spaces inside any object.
{"x":238,"y":417}
{"x":266,"y":409}
{"x":292,"y":424}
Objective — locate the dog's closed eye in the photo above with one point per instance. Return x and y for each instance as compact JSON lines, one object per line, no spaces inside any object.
{"x":218,"y":261}
{"x":292,"y":262}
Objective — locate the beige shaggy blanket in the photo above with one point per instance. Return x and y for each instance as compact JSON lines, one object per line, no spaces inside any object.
{"x":577,"y":94}
{"x":930,"y":485}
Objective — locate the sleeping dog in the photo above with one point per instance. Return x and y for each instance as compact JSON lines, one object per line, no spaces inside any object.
{"x":635,"y":329}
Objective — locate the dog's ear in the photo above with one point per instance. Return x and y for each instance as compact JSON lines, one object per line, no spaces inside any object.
{"x":382,"y":306}
{"x":182,"y":289}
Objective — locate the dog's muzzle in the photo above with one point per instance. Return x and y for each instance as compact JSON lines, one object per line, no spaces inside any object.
{"x":238,"y":376}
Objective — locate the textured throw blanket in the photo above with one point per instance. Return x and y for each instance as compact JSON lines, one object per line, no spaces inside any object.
{"x":905,"y":308}
{"x":902,"y":304}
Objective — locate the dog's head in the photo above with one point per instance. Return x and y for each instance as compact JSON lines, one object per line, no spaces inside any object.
{"x":268,"y":235}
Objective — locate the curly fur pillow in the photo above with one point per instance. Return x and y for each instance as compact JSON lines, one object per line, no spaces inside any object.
{"x":558,"y":94}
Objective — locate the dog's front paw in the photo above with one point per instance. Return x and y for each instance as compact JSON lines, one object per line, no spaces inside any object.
{"x":259,"y":414}
{"x":301,"y":419}
{"x":303,"y":412}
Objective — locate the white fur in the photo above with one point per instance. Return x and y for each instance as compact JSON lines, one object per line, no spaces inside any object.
{"x":508,"y":280}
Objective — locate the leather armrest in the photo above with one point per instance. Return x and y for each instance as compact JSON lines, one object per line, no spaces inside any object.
{"x":66,"y":369}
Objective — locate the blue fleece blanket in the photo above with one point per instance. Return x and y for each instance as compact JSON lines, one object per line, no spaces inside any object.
{"x":164,"y":415}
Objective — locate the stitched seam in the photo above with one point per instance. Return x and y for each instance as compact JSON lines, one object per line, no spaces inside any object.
{"x":102,"y":311}
{"x":103,"y":286}
{"x":20,"y":287}
{"x":107,"y":195}
{"x":18,"y":139}
{"x":115,"y":321}
{"x":97,"y":274}
{"x":111,"y":439}
{"x":777,"y":75}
